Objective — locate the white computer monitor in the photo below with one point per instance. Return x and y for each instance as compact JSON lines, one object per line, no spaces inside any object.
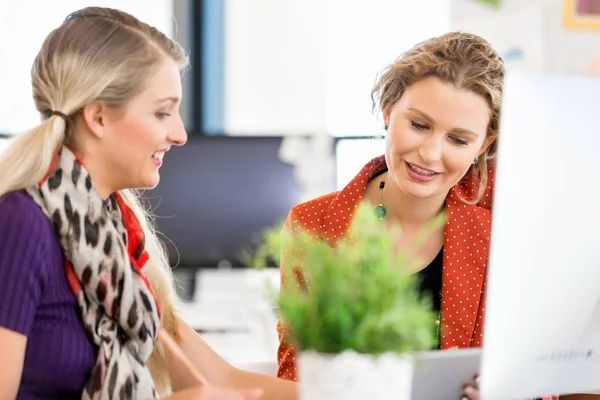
{"x":542,"y":325}
{"x":352,"y":154}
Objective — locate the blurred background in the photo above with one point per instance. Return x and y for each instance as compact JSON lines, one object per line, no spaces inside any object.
{"x":278,"y":110}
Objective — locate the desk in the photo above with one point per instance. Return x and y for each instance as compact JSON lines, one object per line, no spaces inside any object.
{"x":231,"y":311}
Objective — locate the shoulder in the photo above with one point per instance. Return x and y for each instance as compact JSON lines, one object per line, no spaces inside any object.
{"x":331,"y":212}
{"x":19,"y":205}
{"x":29,"y":254}
{"x":310,"y":214}
{"x":468,"y":227}
{"x":22,"y":221}
{"x":19,"y":199}
{"x":468,"y":187}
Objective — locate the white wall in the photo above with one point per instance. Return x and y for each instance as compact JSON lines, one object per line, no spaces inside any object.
{"x":535,"y":27}
{"x":24,"y":25}
{"x":363,"y":38}
{"x":308,"y":66}
{"x":274,"y":66}
{"x":568,"y":51}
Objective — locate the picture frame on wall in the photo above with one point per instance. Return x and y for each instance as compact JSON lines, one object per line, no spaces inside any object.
{"x":581,"y":14}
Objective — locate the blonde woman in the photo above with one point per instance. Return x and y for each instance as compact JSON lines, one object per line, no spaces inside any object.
{"x":85,"y":287}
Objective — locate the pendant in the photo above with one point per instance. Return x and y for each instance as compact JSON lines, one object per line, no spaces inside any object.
{"x":380,"y":212}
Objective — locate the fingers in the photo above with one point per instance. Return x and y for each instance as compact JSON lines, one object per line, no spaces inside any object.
{"x":471,"y":392}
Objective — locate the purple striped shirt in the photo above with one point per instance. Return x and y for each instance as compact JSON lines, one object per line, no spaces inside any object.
{"x":35,"y":300}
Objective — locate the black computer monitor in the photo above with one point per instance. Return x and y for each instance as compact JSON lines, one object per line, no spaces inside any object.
{"x":218,"y":194}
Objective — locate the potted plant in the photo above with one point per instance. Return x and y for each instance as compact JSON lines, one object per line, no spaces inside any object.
{"x":356,"y":315}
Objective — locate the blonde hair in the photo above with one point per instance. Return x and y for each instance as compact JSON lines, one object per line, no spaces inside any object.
{"x":106,"y":56}
{"x":462,"y":59}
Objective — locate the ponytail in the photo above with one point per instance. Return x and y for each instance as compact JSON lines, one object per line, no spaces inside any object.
{"x":27,"y":159}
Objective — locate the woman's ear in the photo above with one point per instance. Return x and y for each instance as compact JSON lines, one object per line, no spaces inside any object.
{"x":486,"y":144}
{"x":386,"y":117}
{"x":93,"y":116}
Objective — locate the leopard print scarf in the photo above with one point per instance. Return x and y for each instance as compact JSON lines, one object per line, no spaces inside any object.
{"x":103,"y":246}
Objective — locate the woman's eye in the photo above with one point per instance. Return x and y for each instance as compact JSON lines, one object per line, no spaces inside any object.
{"x":459,"y":141}
{"x":418,"y":126}
{"x":162,"y":115}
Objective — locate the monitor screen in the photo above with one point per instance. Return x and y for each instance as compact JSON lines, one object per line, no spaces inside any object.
{"x":542,"y":323}
{"x":218,"y":194}
{"x":352,"y":154}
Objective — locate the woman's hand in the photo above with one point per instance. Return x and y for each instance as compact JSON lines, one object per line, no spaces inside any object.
{"x":471,"y":390}
{"x":206,"y":362}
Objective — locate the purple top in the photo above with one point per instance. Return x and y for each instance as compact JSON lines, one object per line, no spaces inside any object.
{"x":35,"y":300}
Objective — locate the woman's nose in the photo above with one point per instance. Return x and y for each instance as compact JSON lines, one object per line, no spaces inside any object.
{"x":431,"y":149}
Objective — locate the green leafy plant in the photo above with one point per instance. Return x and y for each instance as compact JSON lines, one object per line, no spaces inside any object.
{"x":357,"y":295}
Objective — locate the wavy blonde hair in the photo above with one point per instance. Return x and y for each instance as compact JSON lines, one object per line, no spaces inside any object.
{"x":106,"y":56}
{"x":463,"y":59}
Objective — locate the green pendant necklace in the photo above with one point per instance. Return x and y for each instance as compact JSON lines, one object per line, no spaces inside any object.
{"x":380,"y":211}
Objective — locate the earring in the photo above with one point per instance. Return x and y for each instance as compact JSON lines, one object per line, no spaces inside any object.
{"x":475,"y":160}
{"x":385,"y":127}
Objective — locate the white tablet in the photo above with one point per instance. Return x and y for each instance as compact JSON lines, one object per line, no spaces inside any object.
{"x":440,"y":375}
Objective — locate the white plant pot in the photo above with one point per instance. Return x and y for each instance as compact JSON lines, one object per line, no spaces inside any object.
{"x":353,"y":376}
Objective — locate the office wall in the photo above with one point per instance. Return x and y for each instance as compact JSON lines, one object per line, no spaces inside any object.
{"x":297,"y":67}
{"x":530,"y":34}
{"x":23,"y":26}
